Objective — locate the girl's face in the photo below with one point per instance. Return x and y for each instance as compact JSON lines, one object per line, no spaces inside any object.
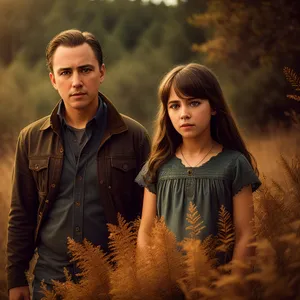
{"x":189,"y":116}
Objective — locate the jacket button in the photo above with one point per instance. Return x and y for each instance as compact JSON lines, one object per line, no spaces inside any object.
{"x":109,"y":186}
{"x":125,"y":167}
{"x":36,"y":167}
{"x":61,"y":150}
{"x":47,"y":201}
{"x":77,"y":228}
{"x":77,"y":203}
{"x":53,"y":185}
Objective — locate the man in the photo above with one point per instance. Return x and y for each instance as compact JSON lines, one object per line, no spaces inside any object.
{"x":74,"y":170}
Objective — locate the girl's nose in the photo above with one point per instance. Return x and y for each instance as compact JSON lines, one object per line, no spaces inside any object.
{"x":185,"y":114}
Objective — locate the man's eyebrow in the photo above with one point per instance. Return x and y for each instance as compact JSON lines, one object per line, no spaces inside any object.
{"x":63,"y":69}
{"x":80,"y":67}
{"x":86,"y":66}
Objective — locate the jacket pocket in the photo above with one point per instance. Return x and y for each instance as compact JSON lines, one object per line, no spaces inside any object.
{"x":123,"y":172}
{"x":39,"y":168}
{"x":122,"y":164}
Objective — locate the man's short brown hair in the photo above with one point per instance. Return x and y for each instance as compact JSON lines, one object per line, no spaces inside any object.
{"x":73,"y":38}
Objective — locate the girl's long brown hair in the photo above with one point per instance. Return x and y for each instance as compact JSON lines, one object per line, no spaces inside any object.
{"x":196,"y":81}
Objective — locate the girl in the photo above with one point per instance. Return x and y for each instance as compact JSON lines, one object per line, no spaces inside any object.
{"x":197,"y":156}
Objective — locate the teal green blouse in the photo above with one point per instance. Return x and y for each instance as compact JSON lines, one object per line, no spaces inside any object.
{"x":209,"y":186}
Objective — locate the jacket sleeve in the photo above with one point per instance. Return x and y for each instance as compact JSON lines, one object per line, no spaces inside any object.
{"x":144,"y":150}
{"x":142,"y":158}
{"x":22,"y":217}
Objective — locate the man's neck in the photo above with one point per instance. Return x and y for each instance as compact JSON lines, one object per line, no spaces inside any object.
{"x":79,"y":118}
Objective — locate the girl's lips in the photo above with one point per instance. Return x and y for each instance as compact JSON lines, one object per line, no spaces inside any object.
{"x":187,"y":125}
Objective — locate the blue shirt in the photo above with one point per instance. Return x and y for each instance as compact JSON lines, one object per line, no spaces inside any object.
{"x":77,"y":211}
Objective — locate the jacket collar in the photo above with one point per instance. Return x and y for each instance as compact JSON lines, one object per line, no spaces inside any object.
{"x":115,"y":122}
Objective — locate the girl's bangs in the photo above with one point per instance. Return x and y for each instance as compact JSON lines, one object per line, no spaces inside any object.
{"x":189,"y":86}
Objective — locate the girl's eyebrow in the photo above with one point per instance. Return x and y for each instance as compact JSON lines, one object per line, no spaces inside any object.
{"x":173,"y":101}
{"x":187,"y":99}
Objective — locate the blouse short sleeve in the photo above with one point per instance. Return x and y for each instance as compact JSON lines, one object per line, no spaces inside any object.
{"x":140,"y":179}
{"x":244,"y":175}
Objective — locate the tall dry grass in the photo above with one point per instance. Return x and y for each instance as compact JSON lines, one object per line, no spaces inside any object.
{"x":266,"y":149}
{"x":5,"y":171}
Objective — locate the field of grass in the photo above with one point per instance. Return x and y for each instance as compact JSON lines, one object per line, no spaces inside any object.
{"x":266,"y":149}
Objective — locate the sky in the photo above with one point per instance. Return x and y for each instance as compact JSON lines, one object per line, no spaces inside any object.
{"x":167,"y":2}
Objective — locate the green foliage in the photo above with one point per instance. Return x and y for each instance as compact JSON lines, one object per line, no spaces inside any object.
{"x":141,"y":42}
{"x":250,"y":43}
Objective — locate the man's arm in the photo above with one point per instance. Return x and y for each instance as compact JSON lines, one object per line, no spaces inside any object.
{"x":22,"y":218}
{"x":142,"y":150}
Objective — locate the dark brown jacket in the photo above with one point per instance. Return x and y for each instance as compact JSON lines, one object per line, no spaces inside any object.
{"x":38,"y":164}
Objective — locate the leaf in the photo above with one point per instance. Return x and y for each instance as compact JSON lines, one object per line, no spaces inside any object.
{"x":292,"y":78}
{"x":226,"y":234}
{"x":193,"y":219}
{"x":294,"y":97}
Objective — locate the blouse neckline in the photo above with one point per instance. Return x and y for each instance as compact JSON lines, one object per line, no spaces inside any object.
{"x":201,"y":166}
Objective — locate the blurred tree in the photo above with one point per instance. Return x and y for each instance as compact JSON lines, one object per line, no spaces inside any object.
{"x":130,"y":27}
{"x":141,"y":42}
{"x":251,"y":42}
{"x":251,"y":34}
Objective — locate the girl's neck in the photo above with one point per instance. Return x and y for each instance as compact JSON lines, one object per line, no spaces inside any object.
{"x":196,"y":146}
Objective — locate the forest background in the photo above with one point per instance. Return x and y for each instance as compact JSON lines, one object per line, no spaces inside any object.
{"x":246,"y":43}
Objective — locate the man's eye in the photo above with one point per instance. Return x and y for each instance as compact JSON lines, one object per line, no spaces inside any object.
{"x":85,"y":70}
{"x":63,"y":73}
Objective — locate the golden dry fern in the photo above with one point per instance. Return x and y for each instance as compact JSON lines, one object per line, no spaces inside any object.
{"x":160,"y":265}
{"x":226,"y":233}
{"x":123,"y":280}
{"x":294,"y":80}
{"x":167,"y":267}
{"x":94,"y":280}
{"x":197,"y":263}
{"x":168,"y":270}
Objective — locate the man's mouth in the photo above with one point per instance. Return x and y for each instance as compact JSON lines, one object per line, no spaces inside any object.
{"x":78,"y":94}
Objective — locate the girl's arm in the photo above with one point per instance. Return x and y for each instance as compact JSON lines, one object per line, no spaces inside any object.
{"x":147,"y":221}
{"x":243,"y":215}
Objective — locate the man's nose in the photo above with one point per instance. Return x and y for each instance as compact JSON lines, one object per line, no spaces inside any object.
{"x":76,"y":80}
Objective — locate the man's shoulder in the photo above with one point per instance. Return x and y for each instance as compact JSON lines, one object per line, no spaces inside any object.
{"x":35,"y":126}
{"x":133,"y":125}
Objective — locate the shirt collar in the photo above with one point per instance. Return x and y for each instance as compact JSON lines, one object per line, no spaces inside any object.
{"x":98,"y":118}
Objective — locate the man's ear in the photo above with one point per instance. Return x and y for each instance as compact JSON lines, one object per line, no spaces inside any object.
{"x":102,"y":73}
{"x":52,"y":79}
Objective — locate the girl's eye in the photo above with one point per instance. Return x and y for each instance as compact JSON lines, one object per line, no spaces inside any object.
{"x":174,"y":106}
{"x":194,"y":103}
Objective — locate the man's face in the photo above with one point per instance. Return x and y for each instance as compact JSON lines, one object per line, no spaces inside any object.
{"x":77,"y":76}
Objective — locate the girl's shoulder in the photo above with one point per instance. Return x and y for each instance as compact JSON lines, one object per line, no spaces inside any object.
{"x":233,"y":159}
